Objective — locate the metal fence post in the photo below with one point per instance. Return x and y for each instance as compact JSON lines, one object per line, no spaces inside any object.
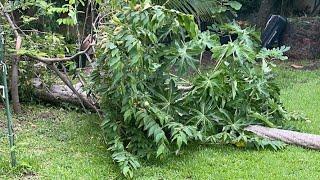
{"x":5,"y":95}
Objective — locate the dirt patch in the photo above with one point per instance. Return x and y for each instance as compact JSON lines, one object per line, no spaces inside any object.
{"x":28,"y":175}
{"x":303,"y":36}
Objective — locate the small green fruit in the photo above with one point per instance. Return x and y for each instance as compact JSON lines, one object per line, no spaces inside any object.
{"x":146,"y":104}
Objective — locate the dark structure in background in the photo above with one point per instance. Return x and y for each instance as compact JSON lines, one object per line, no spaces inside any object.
{"x":272,"y":34}
{"x":224,"y":39}
{"x":302,"y":34}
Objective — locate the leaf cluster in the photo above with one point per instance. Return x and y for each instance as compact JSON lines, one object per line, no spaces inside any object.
{"x":205,"y":10}
{"x":153,"y":107}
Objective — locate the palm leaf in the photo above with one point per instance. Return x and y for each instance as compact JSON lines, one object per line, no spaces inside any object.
{"x":205,"y":10}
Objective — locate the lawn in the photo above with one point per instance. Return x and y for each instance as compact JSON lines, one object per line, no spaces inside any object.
{"x":55,"y":143}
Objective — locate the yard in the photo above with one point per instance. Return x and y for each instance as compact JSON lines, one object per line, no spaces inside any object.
{"x":118,"y":89}
{"x":54,"y":143}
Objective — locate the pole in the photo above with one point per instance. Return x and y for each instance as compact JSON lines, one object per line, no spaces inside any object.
{"x":6,"y":97}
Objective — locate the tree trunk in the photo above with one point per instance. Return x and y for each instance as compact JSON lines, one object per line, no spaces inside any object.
{"x":264,"y":12}
{"x":291,"y":137}
{"x":58,"y":94}
{"x":15,"y":78}
{"x":15,"y":62}
{"x":82,"y":100}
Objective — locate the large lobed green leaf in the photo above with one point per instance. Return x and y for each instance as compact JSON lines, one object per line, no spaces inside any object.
{"x":156,"y":97}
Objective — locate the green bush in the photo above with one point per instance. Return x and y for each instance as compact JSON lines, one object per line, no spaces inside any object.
{"x":153,"y":108}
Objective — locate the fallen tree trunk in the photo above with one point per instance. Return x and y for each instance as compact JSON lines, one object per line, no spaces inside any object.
{"x":62,"y":93}
{"x":291,"y":137}
{"x":58,"y":94}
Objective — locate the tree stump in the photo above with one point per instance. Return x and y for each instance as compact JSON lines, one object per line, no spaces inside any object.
{"x":303,"y":36}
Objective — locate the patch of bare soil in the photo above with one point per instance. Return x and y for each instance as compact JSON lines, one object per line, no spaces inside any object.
{"x":29,"y":175}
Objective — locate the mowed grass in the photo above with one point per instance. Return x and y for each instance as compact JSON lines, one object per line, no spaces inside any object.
{"x":53,"y":143}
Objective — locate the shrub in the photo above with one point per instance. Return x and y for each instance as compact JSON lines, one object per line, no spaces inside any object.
{"x":156,"y":98}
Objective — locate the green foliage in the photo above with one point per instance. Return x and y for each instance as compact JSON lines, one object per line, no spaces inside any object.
{"x":78,"y":137}
{"x":50,"y":10}
{"x":206,"y":10}
{"x":43,"y":26}
{"x":151,"y":106}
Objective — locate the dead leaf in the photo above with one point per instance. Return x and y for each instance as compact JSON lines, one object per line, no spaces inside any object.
{"x":297,"y":66}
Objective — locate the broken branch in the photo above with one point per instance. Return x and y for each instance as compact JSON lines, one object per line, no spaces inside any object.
{"x":64,"y":59}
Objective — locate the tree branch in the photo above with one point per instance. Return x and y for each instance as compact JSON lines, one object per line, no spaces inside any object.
{"x":64,"y":59}
{"x":48,"y":61}
{"x":67,"y":81}
{"x":10,"y":21}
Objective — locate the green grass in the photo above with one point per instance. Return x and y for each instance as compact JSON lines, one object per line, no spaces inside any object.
{"x":58,"y":144}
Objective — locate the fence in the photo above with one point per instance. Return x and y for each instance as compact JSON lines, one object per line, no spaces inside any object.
{"x":5,"y":96}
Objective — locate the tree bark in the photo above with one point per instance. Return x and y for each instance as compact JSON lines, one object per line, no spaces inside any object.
{"x":15,"y":78}
{"x":81,"y":98}
{"x":291,"y":137}
{"x":264,"y":12}
{"x":58,"y":94}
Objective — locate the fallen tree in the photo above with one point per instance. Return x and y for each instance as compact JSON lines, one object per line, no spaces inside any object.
{"x":58,"y":94}
{"x":138,"y":76}
{"x":62,"y":93}
{"x":291,"y":137}
{"x":19,"y":34}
